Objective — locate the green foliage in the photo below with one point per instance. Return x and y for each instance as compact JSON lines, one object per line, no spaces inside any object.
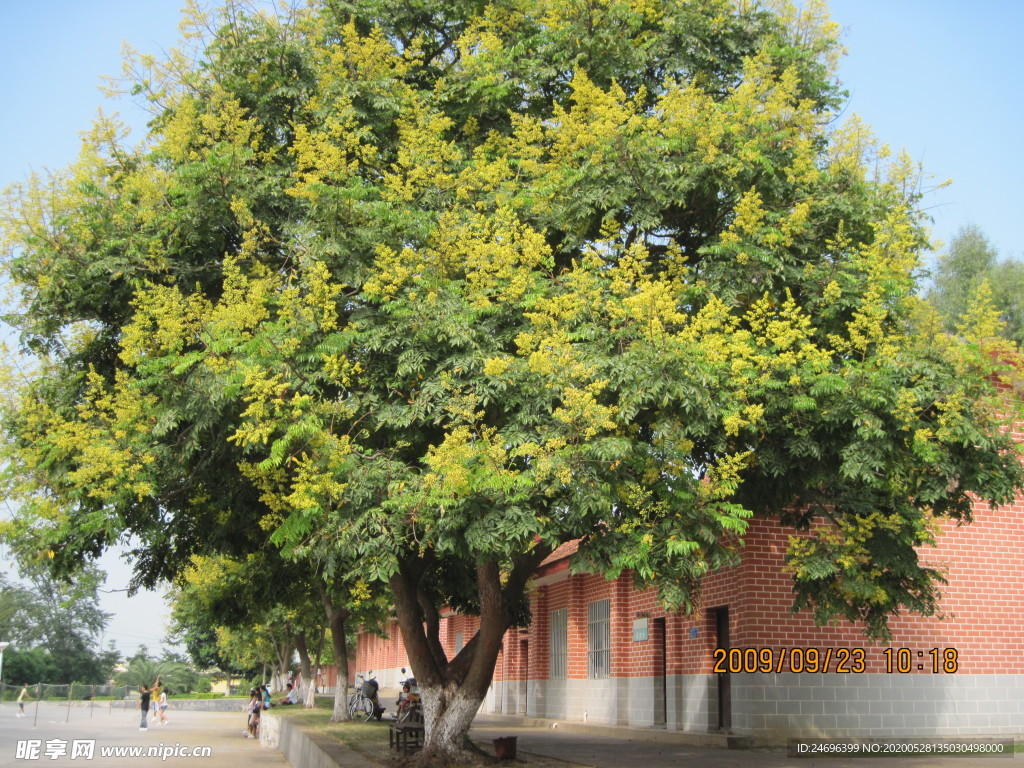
{"x":972,"y":268}
{"x":53,"y":627}
{"x":175,"y":677}
{"x":214,"y":613}
{"x":960,"y":273}
{"x":29,"y":666}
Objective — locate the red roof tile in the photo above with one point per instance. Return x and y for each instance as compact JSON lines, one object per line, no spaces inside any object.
{"x":563,"y":551}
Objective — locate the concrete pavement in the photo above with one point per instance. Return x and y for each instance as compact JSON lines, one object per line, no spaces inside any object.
{"x":68,"y":733}
{"x":56,"y":728}
{"x":606,"y":747}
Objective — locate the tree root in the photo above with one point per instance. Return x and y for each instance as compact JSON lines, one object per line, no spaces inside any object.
{"x":471,"y":755}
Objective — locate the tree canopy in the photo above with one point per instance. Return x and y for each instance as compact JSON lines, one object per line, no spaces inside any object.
{"x":55,"y":629}
{"x":244,"y":615}
{"x":971,"y":272}
{"x":424,"y":290}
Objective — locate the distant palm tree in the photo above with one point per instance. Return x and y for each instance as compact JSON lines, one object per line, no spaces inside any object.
{"x":175,"y":676}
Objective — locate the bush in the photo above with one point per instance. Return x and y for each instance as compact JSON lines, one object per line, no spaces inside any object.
{"x":82,"y":690}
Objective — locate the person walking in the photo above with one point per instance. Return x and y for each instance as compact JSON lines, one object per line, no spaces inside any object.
{"x":254,"y":720}
{"x":252,"y":710}
{"x":154,"y":693}
{"x":21,"y":701}
{"x":144,"y":705}
{"x":162,"y":706}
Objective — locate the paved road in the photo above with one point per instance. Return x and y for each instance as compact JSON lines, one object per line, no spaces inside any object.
{"x":72,"y":731}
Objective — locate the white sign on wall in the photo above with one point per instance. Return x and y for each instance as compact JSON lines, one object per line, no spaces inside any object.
{"x":639,"y":630}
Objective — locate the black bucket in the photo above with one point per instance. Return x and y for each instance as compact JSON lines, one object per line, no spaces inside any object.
{"x":505,"y":748}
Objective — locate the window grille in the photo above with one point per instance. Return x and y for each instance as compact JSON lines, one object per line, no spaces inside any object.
{"x":599,"y":639}
{"x":559,"y":643}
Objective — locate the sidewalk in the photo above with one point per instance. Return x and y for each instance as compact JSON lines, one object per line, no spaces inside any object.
{"x":72,"y":731}
{"x":613,"y":747}
{"x":574,"y":743}
{"x":589,"y":746}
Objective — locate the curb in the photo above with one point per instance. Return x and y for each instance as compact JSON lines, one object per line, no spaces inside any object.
{"x":306,"y":747}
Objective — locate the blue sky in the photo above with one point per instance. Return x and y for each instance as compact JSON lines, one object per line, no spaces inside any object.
{"x":52,"y":53}
{"x":940,"y":78}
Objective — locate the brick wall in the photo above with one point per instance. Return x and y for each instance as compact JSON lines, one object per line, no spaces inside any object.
{"x":983,"y":604}
{"x":983,"y":607}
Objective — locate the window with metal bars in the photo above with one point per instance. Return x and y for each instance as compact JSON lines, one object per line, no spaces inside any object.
{"x":599,"y":639}
{"x":559,"y":643}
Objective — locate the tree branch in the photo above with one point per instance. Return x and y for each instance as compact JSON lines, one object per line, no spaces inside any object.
{"x":432,"y":625}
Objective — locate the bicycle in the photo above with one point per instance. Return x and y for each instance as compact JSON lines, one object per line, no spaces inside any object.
{"x":363,"y":703}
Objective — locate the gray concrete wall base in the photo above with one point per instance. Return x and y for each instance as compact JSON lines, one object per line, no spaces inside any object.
{"x":692,"y":702}
{"x":208,"y":705}
{"x":788,"y":705}
{"x":305,"y":747}
{"x":770,"y":708}
{"x":612,"y":701}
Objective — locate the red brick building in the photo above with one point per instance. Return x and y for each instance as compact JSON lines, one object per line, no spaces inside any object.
{"x":602,"y":652}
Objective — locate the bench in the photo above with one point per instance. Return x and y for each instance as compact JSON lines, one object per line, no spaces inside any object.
{"x":405,"y":736}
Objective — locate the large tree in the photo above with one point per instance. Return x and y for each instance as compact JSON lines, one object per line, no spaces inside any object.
{"x":425,"y":290}
{"x":55,"y":628}
{"x":82,"y":245}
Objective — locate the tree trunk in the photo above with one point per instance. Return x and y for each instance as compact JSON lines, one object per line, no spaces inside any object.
{"x":336,"y":623}
{"x":284,"y":649}
{"x":448,"y":712}
{"x":311,"y":690}
{"x":452,"y":691}
{"x":304,"y":665}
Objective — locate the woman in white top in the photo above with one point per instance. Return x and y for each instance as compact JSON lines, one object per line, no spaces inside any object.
{"x":163,"y":707}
